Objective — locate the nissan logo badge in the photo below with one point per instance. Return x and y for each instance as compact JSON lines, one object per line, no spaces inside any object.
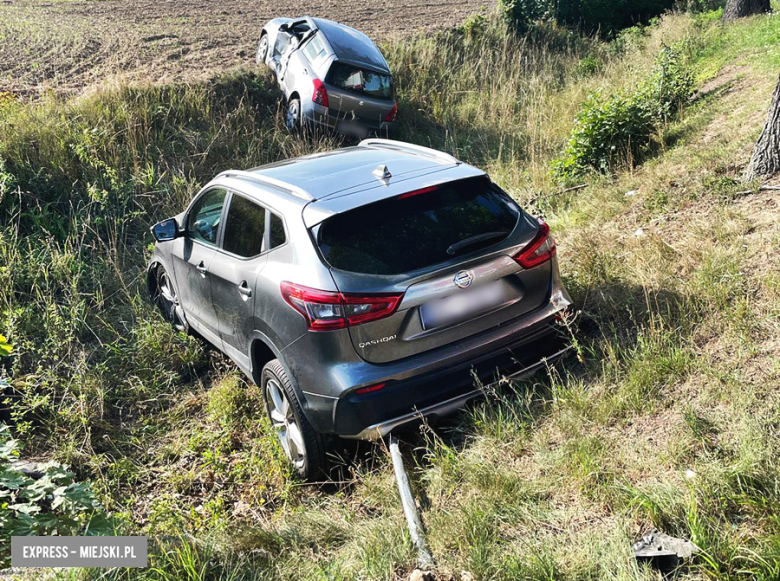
{"x":463,"y":279}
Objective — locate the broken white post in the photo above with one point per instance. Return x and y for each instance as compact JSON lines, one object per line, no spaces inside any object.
{"x":413,"y":522}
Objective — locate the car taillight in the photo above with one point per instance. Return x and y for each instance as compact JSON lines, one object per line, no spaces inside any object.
{"x":320,"y":95}
{"x":326,"y":310}
{"x":393,"y":112}
{"x":539,"y":250}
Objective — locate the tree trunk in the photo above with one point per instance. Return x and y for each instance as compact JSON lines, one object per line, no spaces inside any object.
{"x":739,"y":8}
{"x":766,"y":154}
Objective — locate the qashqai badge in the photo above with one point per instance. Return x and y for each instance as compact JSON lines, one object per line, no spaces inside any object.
{"x":463,"y":279}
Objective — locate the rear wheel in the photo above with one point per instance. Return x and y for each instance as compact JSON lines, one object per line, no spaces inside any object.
{"x":262,"y":49}
{"x":293,"y":117}
{"x":302,"y":445}
{"x":166,"y":299}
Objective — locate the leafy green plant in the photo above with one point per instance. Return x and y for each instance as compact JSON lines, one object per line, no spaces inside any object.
{"x":604,"y":17}
{"x":53,"y":504}
{"x":5,"y":347}
{"x":616,"y":131}
{"x":474,"y":25}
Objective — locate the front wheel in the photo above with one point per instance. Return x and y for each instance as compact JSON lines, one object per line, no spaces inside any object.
{"x":166,"y":299}
{"x":262,"y":49}
{"x":302,"y":445}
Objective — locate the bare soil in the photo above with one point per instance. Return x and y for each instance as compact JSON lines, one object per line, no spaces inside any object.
{"x":65,"y":45}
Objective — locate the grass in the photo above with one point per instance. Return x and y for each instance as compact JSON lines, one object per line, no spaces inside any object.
{"x":669,"y":421}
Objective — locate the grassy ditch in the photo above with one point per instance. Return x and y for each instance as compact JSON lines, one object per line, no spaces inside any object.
{"x":670,"y":420}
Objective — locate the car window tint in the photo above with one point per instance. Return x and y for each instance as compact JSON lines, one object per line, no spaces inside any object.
{"x":358,"y":80}
{"x":314,"y":49}
{"x":278,"y":236}
{"x":404,"y":234}
{"x":244,"y":228}
{"x":203,"y":222}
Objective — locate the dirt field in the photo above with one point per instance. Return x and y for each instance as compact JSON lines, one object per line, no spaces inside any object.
{"x":68,"y":44}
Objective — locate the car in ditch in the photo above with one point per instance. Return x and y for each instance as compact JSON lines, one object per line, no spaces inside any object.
{"x":332,"y":76}
{"x":362,"y":288}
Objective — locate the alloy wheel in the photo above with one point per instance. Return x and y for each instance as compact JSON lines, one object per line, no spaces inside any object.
{"x":293,"y":115}
{"x":284,"y":423}
{"x":262,"y":49}
{"x":167,"y":302}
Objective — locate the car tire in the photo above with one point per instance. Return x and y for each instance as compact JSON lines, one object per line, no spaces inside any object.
{"x":292,"y":116}
{"x":303,"y":446}
{"x":166,"y":298}
{"x":262,"y":49}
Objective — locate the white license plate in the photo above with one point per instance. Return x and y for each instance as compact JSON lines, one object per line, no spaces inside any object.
{"x":461,"y":305}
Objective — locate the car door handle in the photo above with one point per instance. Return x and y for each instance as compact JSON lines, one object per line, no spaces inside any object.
{"x":202,"y":269}
{"x":244,"y":289}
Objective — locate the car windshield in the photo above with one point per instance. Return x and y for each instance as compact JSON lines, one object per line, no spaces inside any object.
{"x":418,"y":230}
{"x":358,"y":80}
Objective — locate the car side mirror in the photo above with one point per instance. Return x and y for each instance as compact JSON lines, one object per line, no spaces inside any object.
{"x":165,"y":230}
{"x":284,"y":27}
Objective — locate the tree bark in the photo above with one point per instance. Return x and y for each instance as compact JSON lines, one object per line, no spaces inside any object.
{"x":739,"y":8}
{"x":766,"y":154}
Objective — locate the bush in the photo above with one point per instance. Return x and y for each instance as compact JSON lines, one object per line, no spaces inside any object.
{"x":49,"y":505}
{"x":617,"y":131}
{"x":591,"y":16}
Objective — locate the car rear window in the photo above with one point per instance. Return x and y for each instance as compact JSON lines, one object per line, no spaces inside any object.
{"x":414,"y":231}
{"x":358,"y":80}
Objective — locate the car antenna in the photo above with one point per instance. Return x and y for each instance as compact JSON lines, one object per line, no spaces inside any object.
{"x":382,"y":172}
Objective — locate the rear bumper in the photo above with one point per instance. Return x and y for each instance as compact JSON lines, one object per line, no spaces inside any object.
{"x":453,"y":404}
{"x":322,"y":117}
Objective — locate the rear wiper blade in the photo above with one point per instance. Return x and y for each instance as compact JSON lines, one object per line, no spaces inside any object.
{"x":476,"y":239}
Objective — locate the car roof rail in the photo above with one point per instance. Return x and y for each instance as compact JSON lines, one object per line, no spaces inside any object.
{"x":268,"y":181}
{"x":410,"y":148}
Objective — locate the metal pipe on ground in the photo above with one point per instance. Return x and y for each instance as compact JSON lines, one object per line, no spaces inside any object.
{"x":413,"y":522}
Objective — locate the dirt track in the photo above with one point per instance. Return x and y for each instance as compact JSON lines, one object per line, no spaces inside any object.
{"x":68,"y":44}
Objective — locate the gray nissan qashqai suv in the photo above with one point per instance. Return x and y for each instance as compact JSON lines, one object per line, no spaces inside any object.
{"x":362,"y":288}
{"x":332,"y":76}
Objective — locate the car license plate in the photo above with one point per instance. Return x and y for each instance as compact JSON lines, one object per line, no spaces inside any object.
{"x":461,"y":305}
{"x":352,"y":128}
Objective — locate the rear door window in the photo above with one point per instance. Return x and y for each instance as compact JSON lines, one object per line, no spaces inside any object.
{"x":418,"y":230}
{"x":278,"y":236}
{"x":358,"y":80}
{"x":314,"y":49}
{"x":245,"y":227}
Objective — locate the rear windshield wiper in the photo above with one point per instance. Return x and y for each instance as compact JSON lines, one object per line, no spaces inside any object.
{"x":476,"y":239}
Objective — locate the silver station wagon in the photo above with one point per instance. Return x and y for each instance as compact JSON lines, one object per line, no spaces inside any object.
{"x":332,"y":76}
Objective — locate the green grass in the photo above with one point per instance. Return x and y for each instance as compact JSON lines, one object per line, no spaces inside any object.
{"x":669,"y":419}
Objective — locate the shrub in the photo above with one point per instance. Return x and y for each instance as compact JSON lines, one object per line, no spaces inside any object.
{"x":51,"y":504}
{"x":606,"y":132}
{"x":615,"y":131}
{"x":591,"y":16}
{"x":588,"y":66}
{"x":474,"y":25}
